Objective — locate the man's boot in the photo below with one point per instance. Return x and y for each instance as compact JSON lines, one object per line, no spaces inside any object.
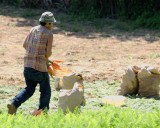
{"x":11,"y":109}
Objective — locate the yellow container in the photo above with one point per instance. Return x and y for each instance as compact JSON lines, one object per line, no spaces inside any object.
{"x":114,"y":100}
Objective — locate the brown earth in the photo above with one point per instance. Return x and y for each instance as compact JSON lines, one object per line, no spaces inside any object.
{"x":98,"y":56}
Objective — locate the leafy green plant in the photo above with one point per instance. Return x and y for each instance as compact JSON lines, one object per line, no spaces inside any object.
{"x":107,"y":116}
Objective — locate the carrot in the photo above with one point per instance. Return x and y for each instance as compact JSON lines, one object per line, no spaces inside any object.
{"x":57,"y":61}
{"x":56,"y":66}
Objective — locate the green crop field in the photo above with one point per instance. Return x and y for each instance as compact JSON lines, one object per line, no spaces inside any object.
{"x":106,"y":117}
{"x":137,"y":113}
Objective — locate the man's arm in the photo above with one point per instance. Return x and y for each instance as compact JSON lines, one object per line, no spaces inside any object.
{"x":49,"y":46}
{"x":25,"y":43}
{"x":26,"y":39}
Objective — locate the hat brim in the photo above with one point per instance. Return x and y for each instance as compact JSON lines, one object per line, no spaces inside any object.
{"x":53,"y":20}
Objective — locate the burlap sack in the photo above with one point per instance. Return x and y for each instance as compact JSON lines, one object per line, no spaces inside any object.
{"x":69,"y":100}
{"x":149,"y":82}
{"x":71,"y":92}
{"x":129,"y":83}
{"x":67,"y":81}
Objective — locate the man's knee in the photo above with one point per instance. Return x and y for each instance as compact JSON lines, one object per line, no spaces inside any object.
{"x":30,"y":91}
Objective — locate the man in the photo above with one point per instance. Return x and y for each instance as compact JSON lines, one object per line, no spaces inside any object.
{"x":38,"y":45}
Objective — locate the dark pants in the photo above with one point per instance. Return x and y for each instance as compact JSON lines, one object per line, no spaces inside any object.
{"x":32,"y":78}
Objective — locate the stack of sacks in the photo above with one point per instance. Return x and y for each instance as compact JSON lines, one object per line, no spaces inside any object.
{"x":70,"y":87}
{"x":144,"y":80}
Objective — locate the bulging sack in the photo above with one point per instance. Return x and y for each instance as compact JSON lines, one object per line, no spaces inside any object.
{"x":67,"y":81}
{"x":71,"y":91}
{"x":69,"y":100}
{"x":149,"y":82}
{"x":129,"y":83}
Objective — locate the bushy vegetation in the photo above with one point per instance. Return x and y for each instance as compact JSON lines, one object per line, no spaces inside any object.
{"x":144,"y":13}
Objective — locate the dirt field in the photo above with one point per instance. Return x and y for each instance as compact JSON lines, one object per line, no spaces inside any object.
{"x":97,"y":56}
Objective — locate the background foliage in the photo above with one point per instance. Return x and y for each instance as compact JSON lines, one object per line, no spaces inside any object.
{"x":143,"y":13}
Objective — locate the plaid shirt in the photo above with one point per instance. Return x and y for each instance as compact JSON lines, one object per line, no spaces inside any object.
{"x":36,"y":44}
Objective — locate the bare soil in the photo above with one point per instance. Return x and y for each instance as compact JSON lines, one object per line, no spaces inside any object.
{"x":97,"y":55}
